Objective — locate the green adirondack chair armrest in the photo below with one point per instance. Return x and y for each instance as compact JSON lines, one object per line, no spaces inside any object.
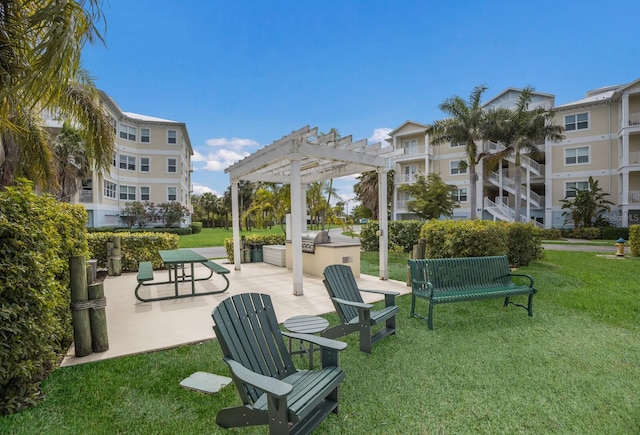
{"x":267,"y":384}
{"x":327,"y":343}
{"x":381,"y":292}
{"x":353,"y":304}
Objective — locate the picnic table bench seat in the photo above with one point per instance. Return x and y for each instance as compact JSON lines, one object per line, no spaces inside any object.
{"x":446,"y":280}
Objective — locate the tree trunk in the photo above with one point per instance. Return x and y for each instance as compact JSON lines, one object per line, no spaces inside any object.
{"x":518,"y":190}
{"x":473,"y":178}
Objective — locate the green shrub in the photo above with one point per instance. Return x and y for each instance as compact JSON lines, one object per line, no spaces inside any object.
{"x":135,"y":247}
{"x":586,"y":233}
{"x":614,"y":233}
{"x":550,"y":234}
{"x":404,"y":234}
{"x":368,"y":237}
{"x":524,"y":243}
{"x":196,"y":227}
{"x":37,"y":236}
{"x":468,"y":238}
{"x":634,"y":240}
{"x":258,"y":239}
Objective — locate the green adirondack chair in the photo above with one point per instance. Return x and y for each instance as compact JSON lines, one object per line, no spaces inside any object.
{"x":354,"y":313}
{"x":272,"y":390}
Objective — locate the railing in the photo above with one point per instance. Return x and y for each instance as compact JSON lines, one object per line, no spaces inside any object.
{"x":505,"y":212}
{"x":510,"y":185}
{"x":86,"y":195}
{"x":634,"y":118}
{"x":406,"y":178}
{"x":536,"y":167}
{"x":634,"y":158}
{"x":634,"y":197}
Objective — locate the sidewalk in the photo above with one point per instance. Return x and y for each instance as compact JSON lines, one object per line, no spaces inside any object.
{"x":138,"y":327}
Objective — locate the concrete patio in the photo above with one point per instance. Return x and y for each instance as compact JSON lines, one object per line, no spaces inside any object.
{"x":138,"y":327}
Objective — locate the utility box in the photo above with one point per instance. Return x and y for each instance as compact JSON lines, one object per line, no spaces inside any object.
{"x":275,"y":255}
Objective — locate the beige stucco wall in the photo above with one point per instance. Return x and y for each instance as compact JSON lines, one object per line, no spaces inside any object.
{"x":332,"y":253}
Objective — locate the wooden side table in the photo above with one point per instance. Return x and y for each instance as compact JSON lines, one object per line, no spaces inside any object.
{"x":305,"y":325}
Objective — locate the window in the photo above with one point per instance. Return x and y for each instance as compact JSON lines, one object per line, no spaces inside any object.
{"x":144,"y":164}
{"x":109,"y":189}
{"x":410,"y":147}
{"x":114,"y":125}
{"x":172,"y":193}
{"x":410,"y":173}
{"x":460,"y":195}
{"x":144,"y":194}
{"x":127,"y":132}
{"x":576,"y":156}
{"x":127,"y":162}
{"x":571,"y":187}
{"x":128,"y":193}
{"x":145,"y":135}
{"x":172,"y":137}
{"x":455,"y":168}
{"x":114,"y":160}
{"x":172,"y":165}
{"x":579,"y":121}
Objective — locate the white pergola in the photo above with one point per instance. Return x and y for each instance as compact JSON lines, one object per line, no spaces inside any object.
{"x":304,"y":157}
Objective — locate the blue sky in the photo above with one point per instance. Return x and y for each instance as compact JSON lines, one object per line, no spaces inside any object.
{"x":241,"y":74}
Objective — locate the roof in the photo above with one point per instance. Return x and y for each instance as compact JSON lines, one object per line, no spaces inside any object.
{"x":147,"y":118}
{"x":321,"y":157}
{"x":602,"y":96}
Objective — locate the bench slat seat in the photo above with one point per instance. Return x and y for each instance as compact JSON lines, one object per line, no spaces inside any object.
{"x":446,"y":280}
{"x":145,"y":271}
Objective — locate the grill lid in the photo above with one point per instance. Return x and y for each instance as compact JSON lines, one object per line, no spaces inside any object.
{"x":312,"y":238}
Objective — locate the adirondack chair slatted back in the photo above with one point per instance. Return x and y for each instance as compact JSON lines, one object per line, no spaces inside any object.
{"x":456,"y":274}
{"x":247,"y":329}
{"x":340,"y":283}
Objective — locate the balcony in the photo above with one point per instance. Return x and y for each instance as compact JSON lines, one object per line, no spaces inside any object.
{"x":86,"y":195}
{"x":634,"y":118}
{"x":634,"y":197}
{"x":405,"y":178}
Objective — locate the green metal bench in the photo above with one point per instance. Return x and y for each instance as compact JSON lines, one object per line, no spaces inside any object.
{"x":444,"y":280}
{"x":273,"y":391}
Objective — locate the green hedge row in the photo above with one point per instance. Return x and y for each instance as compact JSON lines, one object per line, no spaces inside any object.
{"x":265,"y":239}
{"x":135,"y":247}
{"x":37,"y":236}
{"x":634,"y":240}
{"x":402,"y":235}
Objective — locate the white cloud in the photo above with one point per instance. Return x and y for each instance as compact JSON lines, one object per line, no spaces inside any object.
{"x":199,"y":189}
{"x":234,"y":142}
{"x":380,"y":135}
{"x":219,"y":160}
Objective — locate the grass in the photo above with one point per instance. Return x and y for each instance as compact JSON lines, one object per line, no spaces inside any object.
{"x":215,"y":236}
{"x":572,"y":368}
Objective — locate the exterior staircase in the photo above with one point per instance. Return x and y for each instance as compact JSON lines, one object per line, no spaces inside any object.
{"x":505,"y":213}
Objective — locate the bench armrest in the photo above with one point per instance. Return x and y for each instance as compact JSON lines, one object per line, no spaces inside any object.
{"x":267,"y":384}
{"x":320,"y":341}
{"x":353,"y":304}
{"x":429,"y":286}
{"x":523,"y":275}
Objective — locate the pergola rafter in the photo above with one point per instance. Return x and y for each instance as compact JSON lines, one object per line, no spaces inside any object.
{"x":305,"y":157}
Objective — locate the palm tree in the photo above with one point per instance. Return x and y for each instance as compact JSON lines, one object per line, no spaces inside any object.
{"x":71,"y":162}
{"x":366,"y":190}
{"x":466,"y":124}
{"x":520,"y":130}
{"x":40,"y":49}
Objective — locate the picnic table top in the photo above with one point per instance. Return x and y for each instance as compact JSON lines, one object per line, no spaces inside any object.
{"x":177,"y":256}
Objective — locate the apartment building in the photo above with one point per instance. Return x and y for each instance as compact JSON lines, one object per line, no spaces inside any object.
{"x":151,"y":162}
{"x":602,"y":140}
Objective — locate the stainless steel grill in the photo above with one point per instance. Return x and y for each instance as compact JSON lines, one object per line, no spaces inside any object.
{"x":313,"y":238}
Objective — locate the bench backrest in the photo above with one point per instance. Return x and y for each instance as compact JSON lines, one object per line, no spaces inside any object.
{"x":248,"y":332}
{"x":451,"y":274}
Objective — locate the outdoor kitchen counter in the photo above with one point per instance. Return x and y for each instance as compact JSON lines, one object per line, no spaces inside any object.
{"x":325,"y":254}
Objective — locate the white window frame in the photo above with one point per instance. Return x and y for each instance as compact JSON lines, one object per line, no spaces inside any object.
{"x":145,"y":138}
{"x":128,"y":132}
{"x":170,"y":194}
{"x":127,"y":193}
{"x":145,"y":196}
{"x":570,"y":185}
{"x":143,"y":165}
{"x":172,"y":137}
{"x":410,"y":147}
{"x":461,"y":192}
{"x":114,"y":160}
{"x":577,"y":155}
{"x":454,"y":168}
{"x":109,"y":189}
{"x":127,"y":162}
{"x":574,"y":124}
{"x":409,"y":173}
{"x":170,"y":166}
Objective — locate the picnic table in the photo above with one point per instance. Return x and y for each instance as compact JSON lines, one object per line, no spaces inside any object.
{"x":181,"y":266}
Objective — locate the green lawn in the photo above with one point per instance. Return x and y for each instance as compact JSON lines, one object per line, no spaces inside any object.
{"x":572,"y":368}
{"x":215,"y":236}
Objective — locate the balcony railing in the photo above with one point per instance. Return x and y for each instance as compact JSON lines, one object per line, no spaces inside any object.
{"x":86,"y":195}
{"x":634,"y":197}
{"x":634,"y":118}
{"x":634,"y":158}
{"x":406,"y":178}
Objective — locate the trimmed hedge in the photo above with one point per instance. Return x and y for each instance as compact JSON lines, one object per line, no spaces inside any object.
{"x":550,"y":234}
{"x":135,"y":247}
{"x":634,"y":240}
{"x":265,"y":239}
{"x":614,"y":233}
{"x":196,"y":227}
{"x":37,"y":236}
{"x":402,"y":234}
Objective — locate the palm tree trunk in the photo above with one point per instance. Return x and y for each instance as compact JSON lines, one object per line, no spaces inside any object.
{"x":518,"y":190}
{"x":473,"y":178}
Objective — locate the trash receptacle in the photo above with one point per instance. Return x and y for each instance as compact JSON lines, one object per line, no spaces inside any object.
{"x":256,"y":253}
